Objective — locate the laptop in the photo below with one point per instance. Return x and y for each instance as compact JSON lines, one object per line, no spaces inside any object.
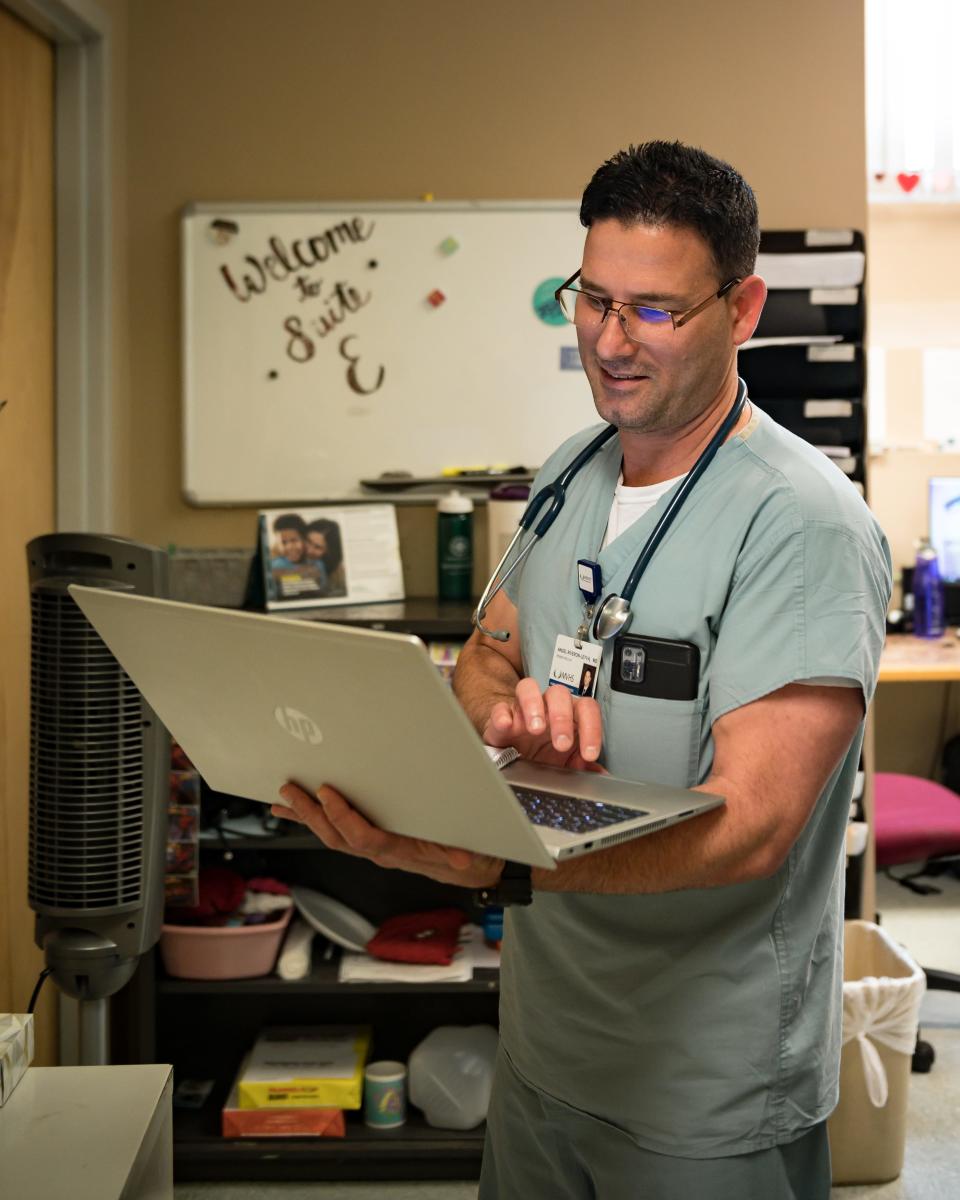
{"x":258,"y":700}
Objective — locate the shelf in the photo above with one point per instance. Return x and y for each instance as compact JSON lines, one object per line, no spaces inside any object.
{"x":320,"y":982}
{"x":422,"y":616}
{"x":210,"y":840}
{"x":414,"y":1151}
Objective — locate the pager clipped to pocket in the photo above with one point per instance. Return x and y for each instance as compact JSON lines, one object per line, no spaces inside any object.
{"x":655,"y":667}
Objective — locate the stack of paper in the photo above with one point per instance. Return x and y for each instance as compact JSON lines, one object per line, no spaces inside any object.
{"x":313,"y":1066}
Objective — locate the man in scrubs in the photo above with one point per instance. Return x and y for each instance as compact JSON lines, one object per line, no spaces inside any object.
{"x":671,"y":1007}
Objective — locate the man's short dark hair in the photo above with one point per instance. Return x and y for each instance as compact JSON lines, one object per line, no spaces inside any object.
{"x":668,"y":183}
{"x":290,"y":521}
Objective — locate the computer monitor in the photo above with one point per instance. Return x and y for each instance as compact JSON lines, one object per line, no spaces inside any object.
{"x":945,"y":523}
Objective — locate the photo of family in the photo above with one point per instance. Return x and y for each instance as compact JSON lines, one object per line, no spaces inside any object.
{"x":303,"y":556}
{"x":347,"y":554}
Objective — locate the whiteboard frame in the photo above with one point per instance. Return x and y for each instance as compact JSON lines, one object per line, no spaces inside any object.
{"x":207,"y":208}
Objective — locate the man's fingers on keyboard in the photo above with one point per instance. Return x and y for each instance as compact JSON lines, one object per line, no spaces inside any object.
{"x":560,"y":709}
{"x":589,"y":727}
{"x":531,"y":705}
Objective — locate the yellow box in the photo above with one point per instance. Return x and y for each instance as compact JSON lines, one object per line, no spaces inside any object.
{"x":306,"y":1066}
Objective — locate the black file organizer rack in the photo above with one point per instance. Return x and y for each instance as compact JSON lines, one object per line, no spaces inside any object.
{"x":813,"y":387}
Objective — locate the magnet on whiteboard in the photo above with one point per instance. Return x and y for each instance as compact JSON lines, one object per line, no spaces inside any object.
{"x":449,"y":245}
{"x":427,"y":197}
{"x":220,"y":231}
{"x":436,"y":298}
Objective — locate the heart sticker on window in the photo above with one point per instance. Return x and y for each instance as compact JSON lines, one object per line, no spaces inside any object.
{"x":908,"y":182}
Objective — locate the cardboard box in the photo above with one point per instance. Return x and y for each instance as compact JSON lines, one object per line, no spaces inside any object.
{"x":278,"y":1122}
{"x":310,"y":1066}
{"x":16,"y":1050}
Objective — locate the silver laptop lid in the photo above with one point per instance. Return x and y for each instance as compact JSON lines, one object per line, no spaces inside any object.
{"x":256,"y":700}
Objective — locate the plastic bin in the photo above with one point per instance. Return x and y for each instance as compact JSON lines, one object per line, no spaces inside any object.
{"x":882,"y":991}
{"x":451,"y":1075}
{"x":222,"y":951}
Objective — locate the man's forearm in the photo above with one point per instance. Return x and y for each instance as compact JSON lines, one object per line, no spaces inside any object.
{"x":716,"y":849}
{"x":482,"y":678}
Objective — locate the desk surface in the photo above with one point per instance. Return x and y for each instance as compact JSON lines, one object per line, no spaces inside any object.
{"x":83,"y":1133}
{"x":907,"y":658}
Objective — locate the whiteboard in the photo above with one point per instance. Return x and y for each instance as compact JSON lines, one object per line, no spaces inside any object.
{"x":314,"y":356}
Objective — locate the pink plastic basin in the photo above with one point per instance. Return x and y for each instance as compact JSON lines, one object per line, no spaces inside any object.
{"x":222,"y":952}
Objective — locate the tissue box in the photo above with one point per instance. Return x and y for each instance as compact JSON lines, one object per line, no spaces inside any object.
{"x":278,"y":1122}
{"x":16,"y":1050}
{"x":310,"y":1066}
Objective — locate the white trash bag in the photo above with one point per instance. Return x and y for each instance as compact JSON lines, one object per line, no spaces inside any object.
{"x":451,"y":1074}
{"x":884,"y":1009}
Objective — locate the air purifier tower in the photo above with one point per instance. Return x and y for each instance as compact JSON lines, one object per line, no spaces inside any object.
{"x":99,"y":775}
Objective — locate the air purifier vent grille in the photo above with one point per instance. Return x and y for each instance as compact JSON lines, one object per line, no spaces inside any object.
{"x":86,"y":766}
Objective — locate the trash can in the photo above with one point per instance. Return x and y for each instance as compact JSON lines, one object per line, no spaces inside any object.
{"x":882,"y":990}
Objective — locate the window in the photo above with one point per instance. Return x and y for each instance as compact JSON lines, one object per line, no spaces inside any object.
{"x":913,"y":99}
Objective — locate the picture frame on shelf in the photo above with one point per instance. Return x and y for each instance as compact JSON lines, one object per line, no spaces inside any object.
{"x":329,"y":555}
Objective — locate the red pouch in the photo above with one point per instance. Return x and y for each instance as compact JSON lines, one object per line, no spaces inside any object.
{"x":425,"y":937}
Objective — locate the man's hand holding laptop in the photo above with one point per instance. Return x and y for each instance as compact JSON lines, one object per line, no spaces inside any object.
{"x":552,"y":727}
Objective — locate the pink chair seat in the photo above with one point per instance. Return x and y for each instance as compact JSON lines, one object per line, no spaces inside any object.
{"x":914,"y":819}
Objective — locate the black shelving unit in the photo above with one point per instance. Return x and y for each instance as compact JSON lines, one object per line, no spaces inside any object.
{"x":322,"y":981}
{"x":414,"y":1151}
{"x":203,"y":1027}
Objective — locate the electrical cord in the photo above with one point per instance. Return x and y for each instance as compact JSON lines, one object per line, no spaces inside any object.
{"x":36,"y":991}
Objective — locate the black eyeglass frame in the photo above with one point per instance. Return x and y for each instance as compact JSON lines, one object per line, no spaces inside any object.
{"x":679,"y":319}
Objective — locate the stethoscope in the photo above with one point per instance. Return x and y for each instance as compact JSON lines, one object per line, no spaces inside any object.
{"x":613,"y":615}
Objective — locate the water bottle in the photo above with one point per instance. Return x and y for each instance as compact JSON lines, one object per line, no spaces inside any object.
{"x":454,"y":547}
{"x":927,"y":593}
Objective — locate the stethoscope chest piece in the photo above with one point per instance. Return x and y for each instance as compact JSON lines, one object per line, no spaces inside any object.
{"x":613,"y":617}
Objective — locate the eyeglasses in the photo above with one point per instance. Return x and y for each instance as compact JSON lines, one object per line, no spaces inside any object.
{"x":638,"y":321}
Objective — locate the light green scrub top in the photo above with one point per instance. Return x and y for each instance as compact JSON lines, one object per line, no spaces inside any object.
{"x":705,"y":1022}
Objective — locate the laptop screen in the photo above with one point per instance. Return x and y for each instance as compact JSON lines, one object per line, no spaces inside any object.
{"x":945,"y":523}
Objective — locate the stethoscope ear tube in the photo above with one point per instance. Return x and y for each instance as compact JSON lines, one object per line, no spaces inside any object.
{"x":614,"y":615}
{"x":496,"y":582}
{"x":556,"y":492}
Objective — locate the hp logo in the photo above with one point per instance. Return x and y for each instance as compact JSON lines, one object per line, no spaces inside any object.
{"x":297,"y":724}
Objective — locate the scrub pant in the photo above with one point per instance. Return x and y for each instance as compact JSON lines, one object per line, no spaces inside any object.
{"x":538,"y":1148}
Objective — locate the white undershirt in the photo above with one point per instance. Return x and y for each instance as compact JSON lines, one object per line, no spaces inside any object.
{"x":630,"y":504}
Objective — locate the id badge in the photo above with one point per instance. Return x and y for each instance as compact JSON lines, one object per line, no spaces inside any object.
{"x":576,"y":666}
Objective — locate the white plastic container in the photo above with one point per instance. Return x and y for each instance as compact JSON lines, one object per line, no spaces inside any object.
{"x":451,"y":1074}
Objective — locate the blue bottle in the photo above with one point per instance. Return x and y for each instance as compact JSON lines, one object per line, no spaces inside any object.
{"x":493,"y":925}
{"x":928,"y":605}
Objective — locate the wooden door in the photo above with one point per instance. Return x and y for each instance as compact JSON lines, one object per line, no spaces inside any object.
{"x":26,"y":470}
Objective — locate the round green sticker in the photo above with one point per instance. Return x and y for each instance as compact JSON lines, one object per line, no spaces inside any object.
{"x":545,"y":304}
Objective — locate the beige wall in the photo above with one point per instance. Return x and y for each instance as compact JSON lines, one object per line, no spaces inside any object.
{"x":295,"y":100}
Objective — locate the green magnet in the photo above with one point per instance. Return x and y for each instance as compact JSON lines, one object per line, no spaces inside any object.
{"x":545,"y":304}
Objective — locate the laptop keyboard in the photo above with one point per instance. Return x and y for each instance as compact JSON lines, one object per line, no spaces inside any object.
{"x":569,"y":813}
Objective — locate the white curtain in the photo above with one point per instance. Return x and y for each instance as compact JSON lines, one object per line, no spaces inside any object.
{"x":913,"y":96}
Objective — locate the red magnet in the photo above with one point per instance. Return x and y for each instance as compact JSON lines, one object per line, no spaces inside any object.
{"x":436,"y":297}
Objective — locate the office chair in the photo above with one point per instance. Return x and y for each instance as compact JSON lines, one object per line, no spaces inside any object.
{"x":917,"y":820}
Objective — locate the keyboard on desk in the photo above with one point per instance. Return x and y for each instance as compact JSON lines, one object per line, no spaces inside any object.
{"x":569,"y":813}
